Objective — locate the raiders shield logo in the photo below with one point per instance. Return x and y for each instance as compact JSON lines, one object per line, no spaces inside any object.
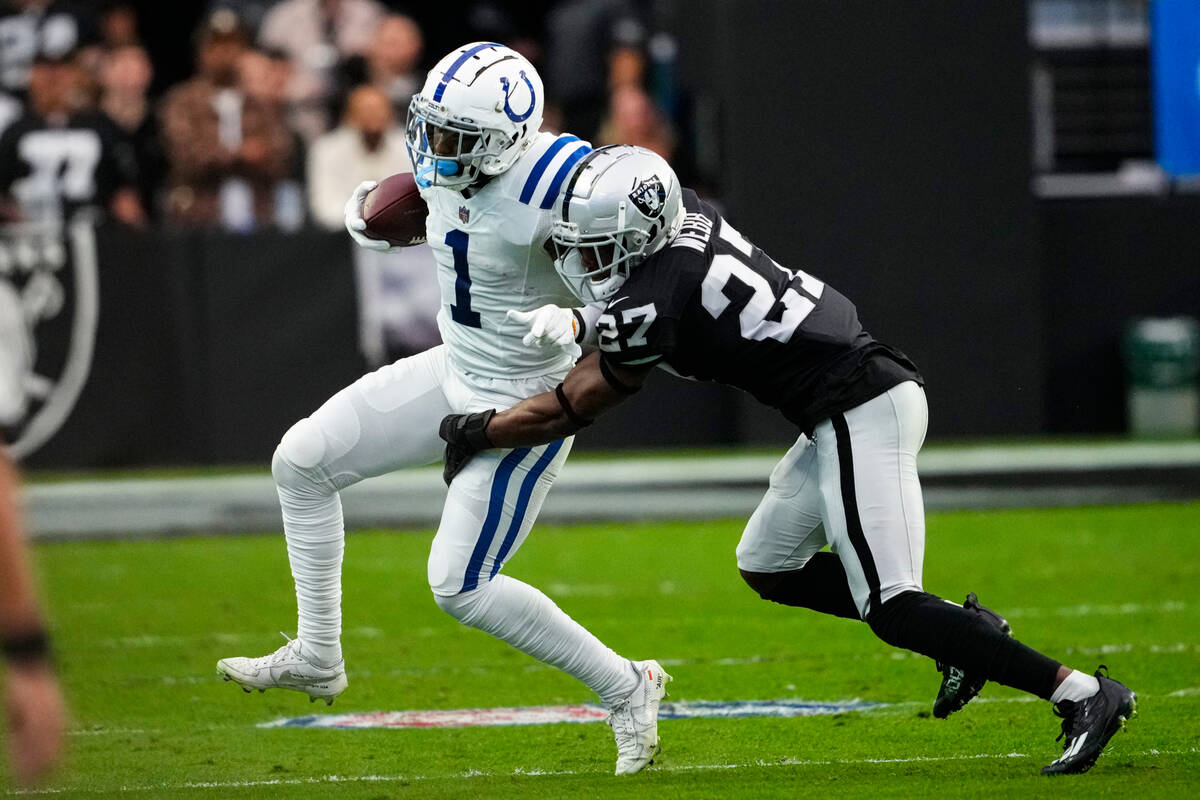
{"x":649,"y":196}
{"x":49,"y":307}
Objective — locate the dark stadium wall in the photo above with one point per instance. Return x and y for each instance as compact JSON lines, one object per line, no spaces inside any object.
{"x":1107,"y":261}
{"x":210,"y":346}
{"x":887,"y":152}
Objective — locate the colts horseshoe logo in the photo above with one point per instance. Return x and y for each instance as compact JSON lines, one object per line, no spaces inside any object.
{"x":514,"y":116}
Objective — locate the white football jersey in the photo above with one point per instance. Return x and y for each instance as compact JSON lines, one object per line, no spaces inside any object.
{"x":491,"y":257}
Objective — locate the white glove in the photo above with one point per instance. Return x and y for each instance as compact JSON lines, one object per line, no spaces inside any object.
{"x":355,"y":224}
{"x":547,"y":325}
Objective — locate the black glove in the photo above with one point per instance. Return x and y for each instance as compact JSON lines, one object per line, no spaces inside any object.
{"x":465,"y":435}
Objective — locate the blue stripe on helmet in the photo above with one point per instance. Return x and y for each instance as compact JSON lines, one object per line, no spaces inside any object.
{"x":539,"y":168}
{"x":561,"y":175}
{"x":492,"y":521}
{"x":523,"y":503}
{"x":458,"y":62}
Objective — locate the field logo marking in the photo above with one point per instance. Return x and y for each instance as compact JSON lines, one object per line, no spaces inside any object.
{"x":549,"y":715}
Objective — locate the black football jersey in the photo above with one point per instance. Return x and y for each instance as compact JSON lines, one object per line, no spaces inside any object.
{"x":712,"y":306}
{"x":64,"y":167}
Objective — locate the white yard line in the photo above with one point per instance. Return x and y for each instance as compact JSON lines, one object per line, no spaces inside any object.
{"x":334,"y":779}
{"x":483,"y":668}
{"x":603,"y":590}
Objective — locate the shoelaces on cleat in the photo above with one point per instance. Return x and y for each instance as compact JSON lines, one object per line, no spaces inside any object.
{"x":1069,"y":712}
{"x":620,"y":719}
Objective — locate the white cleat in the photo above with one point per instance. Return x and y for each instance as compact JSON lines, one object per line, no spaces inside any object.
{"x":286,"y":668}
{"x":634,"y":720}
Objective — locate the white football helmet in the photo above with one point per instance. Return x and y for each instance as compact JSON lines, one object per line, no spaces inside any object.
{"x":621,"y":205}
{"x":478,"y":111}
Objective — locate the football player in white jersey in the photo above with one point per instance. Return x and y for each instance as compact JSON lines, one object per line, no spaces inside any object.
{"x":489,"y":178}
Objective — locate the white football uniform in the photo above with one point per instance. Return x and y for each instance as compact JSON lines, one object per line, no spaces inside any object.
{"x":488,"y":235}
{"x":490,"y":254}
{"x":491,"y":259}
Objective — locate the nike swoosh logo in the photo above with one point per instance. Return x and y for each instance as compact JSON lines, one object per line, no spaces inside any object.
{"x":618,"y":300}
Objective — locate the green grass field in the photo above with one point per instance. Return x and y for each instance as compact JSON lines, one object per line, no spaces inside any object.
{"x":140,"y":626}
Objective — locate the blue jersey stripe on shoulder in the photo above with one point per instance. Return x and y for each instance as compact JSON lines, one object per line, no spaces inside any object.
{"x":539,"y":168}
{"x":561,"y":175}
{"x":458,"y":62}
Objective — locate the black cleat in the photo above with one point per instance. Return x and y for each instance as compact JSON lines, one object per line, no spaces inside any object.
{"x":959,"y":687}
{"x":1090,"y":723}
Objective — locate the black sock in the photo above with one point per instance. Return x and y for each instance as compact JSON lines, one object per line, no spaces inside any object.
{"x":820,"y":585}
{"x":926,"y":624}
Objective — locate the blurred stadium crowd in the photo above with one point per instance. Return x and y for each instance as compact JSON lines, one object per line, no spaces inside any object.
{"x":290,"y":103}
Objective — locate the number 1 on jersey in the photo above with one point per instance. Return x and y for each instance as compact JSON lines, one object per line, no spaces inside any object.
{"x":460,"y":311}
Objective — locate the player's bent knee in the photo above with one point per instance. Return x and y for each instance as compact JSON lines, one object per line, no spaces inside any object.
{"x":303,"y":445}
{"x":762,"y":582}
{"x":463,"y":606}
{"x":301,"y":449}
{"x":890,"y":621}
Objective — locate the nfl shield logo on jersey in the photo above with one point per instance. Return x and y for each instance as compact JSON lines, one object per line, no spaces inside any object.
{"x":464,"y":214}
{"x":649,"y":196}
{"x":49,"y":307}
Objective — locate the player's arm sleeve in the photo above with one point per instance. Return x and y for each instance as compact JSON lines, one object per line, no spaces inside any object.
{"x":586,"y":393}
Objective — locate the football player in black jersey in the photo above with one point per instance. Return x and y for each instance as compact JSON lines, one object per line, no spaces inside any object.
{"x":672,"y":284}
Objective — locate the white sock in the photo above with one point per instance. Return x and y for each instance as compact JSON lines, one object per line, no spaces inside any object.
{"x":1077,"y":686}
{"x":313,"y":527}
{"x":530,"y":621}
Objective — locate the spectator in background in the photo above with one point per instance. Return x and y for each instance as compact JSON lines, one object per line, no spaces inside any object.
{"x":250,"y":12}
{"x":125,"y":75}
{"x":366,"y":146}
{"x":319,"y":36}
{"x":226,"y":151}
{"x":32,"y":28}
{"x":264,"y":77}
{"x":393,"y":61}
{"x":119,"y":26}
{"x":592,"y":48}
{"x":634,"y":119}
{"x":397,"y":292}
{"x":62,"y":156}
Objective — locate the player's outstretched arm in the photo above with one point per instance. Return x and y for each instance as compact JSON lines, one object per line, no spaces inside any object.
{"x":586,"y":393}
{"x":589,"y":390}
{"x":33,"y":706}
{"x":564,"y":327}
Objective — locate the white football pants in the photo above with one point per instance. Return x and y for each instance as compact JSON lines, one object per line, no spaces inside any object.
{"x":853,"y":486}
{"x":386,"y":420}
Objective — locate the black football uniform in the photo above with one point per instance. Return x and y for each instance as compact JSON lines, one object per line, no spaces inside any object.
{"x":64,"y":167}
{"x":714,"y":307}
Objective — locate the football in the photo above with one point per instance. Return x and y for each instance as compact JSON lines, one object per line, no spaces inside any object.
{"x":395,"y":212}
